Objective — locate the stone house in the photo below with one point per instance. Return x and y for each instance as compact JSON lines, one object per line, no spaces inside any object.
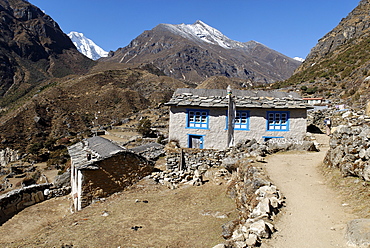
{"x":217,"y":119}
{"x":100,"y":168}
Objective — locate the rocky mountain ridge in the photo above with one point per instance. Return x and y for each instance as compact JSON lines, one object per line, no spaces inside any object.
{"x":194,"y":52}
{"x":33,"y":48}
{"x":338,"y":67}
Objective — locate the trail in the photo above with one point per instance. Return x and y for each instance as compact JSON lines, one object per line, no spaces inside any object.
{"x":314,"y":215}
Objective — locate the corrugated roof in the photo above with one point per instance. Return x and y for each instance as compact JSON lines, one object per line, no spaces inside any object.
{"x":243,"y":98}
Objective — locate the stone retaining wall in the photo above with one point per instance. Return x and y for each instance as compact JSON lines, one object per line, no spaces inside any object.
{"x":17,"y":200}
{"x":257,"y":202}
{"x":350,"y":151}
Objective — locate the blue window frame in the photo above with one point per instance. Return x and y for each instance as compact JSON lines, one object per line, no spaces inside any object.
{"x":198,"y":119}
{"x":277,"y":121}
{"x":241,"y":121}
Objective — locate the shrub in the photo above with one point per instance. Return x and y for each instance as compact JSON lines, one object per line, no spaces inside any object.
{"x":145,"y":127}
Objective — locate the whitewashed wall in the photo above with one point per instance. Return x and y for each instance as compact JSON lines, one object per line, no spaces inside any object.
{"x":216,"y":136}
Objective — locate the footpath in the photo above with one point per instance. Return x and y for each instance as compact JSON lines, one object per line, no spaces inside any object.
{"x":314,"y":215}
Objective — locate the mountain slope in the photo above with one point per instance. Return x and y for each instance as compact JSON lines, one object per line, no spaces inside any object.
{"x":73,"y":105}
{"x":32,"y":49}
{"x":197,"y":51}
{"x":86,"y":46}
{"x":338,"y":67}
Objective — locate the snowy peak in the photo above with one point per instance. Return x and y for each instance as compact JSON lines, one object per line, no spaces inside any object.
{"x":199,"y":31}
{"x":86,"y":46}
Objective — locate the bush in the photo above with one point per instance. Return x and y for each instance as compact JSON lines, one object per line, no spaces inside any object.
{"x":145,"y":127}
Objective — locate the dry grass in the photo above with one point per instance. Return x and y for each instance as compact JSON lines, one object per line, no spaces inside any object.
{"x":355,"y":192}
{"x":183,"y":217}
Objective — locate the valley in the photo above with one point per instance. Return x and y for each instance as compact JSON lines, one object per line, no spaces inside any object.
{"x":235,"y":154}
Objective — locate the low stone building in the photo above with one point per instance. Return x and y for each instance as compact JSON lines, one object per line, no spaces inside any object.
{"x":217,"y":119}
{"x":100,"y":168}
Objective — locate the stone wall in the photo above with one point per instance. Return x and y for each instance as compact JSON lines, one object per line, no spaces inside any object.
{"x":257,"y":202}
{"x":203,"y":159}
{"x":194,"y":159}
{"x":17,"y":200}
{"x":114,"y":174}
{"x":350,"y":151}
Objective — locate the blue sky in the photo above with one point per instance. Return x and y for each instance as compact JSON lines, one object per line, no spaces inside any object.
{"x":291,"y":27}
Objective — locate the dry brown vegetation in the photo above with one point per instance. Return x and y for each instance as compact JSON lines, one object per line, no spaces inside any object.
{"x":184,"y":217}
{"x":354,"y":191}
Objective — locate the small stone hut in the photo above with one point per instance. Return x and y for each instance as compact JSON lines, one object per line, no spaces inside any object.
{"x":100,"y":168}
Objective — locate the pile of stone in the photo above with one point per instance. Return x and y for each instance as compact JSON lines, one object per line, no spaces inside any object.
{"x":350,"y":150}
{"x":173,"y":178}
{"x":258,"y":201}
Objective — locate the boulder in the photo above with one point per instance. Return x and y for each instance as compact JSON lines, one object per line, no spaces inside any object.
{"x":260,"y":229}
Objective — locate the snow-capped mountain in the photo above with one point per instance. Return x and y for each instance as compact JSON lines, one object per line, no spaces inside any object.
{"x":201,"y":31}
{"x":194,"y":52}
{"x":87,"y":46}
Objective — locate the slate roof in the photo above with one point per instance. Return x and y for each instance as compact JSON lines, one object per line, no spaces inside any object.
{"x":85,"y":154}
{"x":243,"y":99}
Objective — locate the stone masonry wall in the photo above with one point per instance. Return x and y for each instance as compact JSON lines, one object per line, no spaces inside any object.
{"x":350,"y":151}
{"x":194,"y":159}
{"x":17,"y":200}
{"x":114,"y":175}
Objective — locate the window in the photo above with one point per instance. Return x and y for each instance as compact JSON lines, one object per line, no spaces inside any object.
{"x":278,"y":121}
{"x":241,"y":120}
{"x":197,"y":119}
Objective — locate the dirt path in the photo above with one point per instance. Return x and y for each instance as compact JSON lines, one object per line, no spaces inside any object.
{"x":314,"y":215}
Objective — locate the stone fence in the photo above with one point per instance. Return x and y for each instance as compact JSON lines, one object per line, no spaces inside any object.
{"x":194,"y":159}
{"x":350,"y":151}
{"x":17,"y":200}
{"x":191,"y":159}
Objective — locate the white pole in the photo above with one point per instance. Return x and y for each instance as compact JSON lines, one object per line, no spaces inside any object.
{"x":230,"y":118}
